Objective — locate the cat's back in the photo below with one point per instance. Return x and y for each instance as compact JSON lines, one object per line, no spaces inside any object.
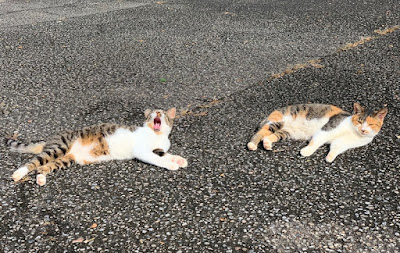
{"x":302,"y":121}
{"x":310,"y":111}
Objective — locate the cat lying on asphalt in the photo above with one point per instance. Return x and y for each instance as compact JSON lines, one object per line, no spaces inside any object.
{"x":104,"y":142}
{"x":322,"y":124}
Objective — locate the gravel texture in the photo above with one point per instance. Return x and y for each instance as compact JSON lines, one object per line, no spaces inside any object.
{"x":86,"y":62}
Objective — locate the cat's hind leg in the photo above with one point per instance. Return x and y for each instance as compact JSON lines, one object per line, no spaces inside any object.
{"x":257,"y":137}
{"x":59,"y":163}
{"x":20,"y":173}
{"x":272,"y":124}
{"x":32,"y":165}
{"x":50,"y":152}
{"x":274,"y":137}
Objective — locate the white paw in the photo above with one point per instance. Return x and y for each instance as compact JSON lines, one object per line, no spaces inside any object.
{"x":330,"y":157}
{"x":251,"y":146}
{"x":20,"y":173}
{"x":306,"y":151}
{"x":41,"y":179}
{"x":267,"y":144}
{"x":172,"y":166}
{"x":180,"y":161}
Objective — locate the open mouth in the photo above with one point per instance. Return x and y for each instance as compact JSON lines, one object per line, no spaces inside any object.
{"x":157,"y":124}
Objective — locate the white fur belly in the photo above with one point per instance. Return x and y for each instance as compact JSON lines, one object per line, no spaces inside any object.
{"x":83,"y":153}
{"x":301,"y":128}
{"x":121,"y":144}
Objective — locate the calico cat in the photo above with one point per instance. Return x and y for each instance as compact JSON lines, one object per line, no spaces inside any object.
{"x":322,"y":124}
{"x":103,"y":143}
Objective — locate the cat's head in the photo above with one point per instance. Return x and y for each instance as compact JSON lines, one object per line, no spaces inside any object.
{"x":159,"y":121}
{"x":367,"y":122}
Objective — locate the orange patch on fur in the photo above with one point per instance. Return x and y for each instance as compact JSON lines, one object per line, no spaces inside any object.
{"x":334,"y":111}
{"x":100,"y":146}
{"x":354,"y":119}
{"x":302,"y":114}
{"x":87,"y":141}
{"x":264,"y":131}
{"x":37,"y":149}
{"x":69,"y":156}
{"x":374,"y":123}
{"x":272,"y":138}
{"x":275,"y":116}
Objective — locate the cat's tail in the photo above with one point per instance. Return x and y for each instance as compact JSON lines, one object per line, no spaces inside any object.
{"x":32,"y":148}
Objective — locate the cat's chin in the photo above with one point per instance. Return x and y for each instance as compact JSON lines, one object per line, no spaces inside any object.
{"x":371,"y":134}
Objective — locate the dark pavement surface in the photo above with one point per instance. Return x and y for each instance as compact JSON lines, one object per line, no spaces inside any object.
{"x":76,"y":63}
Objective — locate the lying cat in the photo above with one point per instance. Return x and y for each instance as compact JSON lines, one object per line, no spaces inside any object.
{"x":322,"y":124}
{"x":103,"y":143}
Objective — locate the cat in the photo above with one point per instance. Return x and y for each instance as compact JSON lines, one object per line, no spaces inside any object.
{"x":322,"y":124}
{"x":103,"y":142}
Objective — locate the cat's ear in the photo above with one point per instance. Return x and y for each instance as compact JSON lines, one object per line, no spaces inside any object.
{"x":171,"y":113}
{"x":382,"y":113}
{"x":357,"y":108}
{"x":147,"y":113}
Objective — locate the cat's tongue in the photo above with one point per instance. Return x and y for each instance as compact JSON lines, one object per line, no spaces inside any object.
{"x":157,"y":124}
{"x":157,"y":127}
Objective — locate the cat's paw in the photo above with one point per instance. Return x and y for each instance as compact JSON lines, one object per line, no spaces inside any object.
{"x":267,"y":144}
{"x":251,"y":146}
{"x":182,"y":162}
{"x":172,"y":166}
{"x":306,"y":151}
{"x":330,"y":157}
{"x":41,"y":179}
{"x":20,"y":173}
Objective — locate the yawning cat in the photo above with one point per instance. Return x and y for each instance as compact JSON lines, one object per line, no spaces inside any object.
{"x":103,"y":143}
{"x":322,"y":124}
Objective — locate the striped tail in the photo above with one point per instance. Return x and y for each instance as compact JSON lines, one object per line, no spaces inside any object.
{"x":32,"y":148}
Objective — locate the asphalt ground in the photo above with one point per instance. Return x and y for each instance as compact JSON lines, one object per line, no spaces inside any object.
{"x":225,"y":66}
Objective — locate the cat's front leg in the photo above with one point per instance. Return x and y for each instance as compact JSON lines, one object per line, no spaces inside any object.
{"x":317,"y":141}
{"x":182,"y":162}
{"x":337,"y":147}
{"x":154,"y":159}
